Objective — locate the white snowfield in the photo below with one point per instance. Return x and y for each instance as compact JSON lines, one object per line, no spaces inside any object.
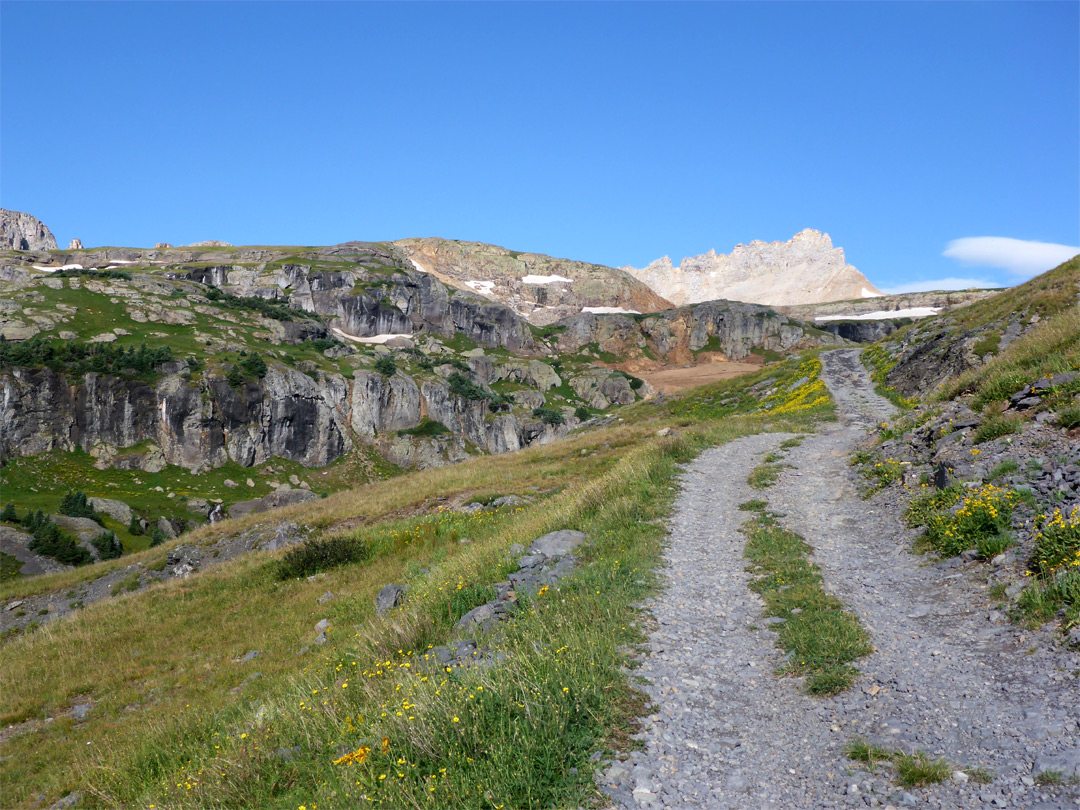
{"x":610,"y":311}
{"x":121,"y":261}
{"x":482,"y":287}
{"x":416,"y":264}
{"x":868,"y":294}
{"x":54,"y":269}
{"x":545,"y":279}
{"x":369,"y":340}
{"x":914,"y":312}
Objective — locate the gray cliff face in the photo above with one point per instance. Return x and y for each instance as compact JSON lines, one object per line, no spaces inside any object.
{"x":203,"y":425}
{"x":19,"y":231}
{"x":381,"y":404}
{"x":396,"y":299}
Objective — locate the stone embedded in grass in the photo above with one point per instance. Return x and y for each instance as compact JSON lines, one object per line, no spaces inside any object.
{"x":388,"y":598}
{"x":557,"y":544}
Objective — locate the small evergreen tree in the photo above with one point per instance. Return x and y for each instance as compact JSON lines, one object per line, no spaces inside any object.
{"x":234,"y":377}
{"x":9,"y":514}
{"x":386,"y":365}
{"x":108,"y":546}
{"x":134,"y":527}
{"x":75,"y":504}
{"x":254,"y":365}
{"x":157,"y":537}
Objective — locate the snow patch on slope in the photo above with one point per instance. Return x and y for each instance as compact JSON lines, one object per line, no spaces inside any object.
{"x":881,"y":315}
{"x":545,"y":279}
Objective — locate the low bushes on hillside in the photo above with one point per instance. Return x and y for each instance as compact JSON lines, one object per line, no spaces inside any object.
{"x":322,"y":553}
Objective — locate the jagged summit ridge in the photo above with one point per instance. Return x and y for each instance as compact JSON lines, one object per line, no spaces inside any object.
{"x":806,"y":269}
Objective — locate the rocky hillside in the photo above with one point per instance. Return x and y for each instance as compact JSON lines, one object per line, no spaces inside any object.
{"x":807,"y":269}
{"x":201,"y":381}
{"x":955,"y":345}
{"x":537,"y":287}
{"x":19,"y":231}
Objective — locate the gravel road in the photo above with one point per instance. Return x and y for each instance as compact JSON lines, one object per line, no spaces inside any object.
{"x":947,"y":676}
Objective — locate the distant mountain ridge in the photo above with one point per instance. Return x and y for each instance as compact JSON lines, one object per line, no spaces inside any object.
{"x":807,"y":269}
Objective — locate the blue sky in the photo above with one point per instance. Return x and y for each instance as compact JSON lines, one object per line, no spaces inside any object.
{"x":608,"y":132}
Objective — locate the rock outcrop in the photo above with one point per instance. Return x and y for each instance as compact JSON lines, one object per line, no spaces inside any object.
{"x":734,"y":329}
{"x":19,"y":231}
{"x":540,"y":288}
{"x":807,"y":269}
{"x":75,"y":244}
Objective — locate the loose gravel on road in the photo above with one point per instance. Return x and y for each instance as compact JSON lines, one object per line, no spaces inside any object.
{"x":947,"y":676}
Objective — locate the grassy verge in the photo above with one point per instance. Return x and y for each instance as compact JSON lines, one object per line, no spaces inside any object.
{"x":179,"y":719}
{"x":1055,"y":564}
{"x":822,"y":639}
{"x":880,"y":362}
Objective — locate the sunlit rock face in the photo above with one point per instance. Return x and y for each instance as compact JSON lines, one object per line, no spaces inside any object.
{"x":805,"y":270}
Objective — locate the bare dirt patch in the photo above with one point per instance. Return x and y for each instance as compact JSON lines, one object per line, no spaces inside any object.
{"x":668,"y":381}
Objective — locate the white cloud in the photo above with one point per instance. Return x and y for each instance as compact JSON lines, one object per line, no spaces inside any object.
{"x":1020,"y":257}
{"x":939,"y":284}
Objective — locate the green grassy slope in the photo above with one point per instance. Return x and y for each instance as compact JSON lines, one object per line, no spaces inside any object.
{"x":157,"y":667}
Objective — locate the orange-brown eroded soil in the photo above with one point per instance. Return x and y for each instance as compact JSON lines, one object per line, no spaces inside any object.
{"x":668,"y":381}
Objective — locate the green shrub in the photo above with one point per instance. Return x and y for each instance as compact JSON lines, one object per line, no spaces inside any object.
{"x":9,"y":514}
{"x":549,"y":416}
{"x":321,"y":554}
{"x":386,"y":365}
{"x":49,"y":541}
{"x":108,"y":547}
{"x":234,"y":377}
{"x":134,"y":527}
{"x":74,"y":504}
{"x":882,"y":473}
{"x":1002,"y":469}
{"x":987,"y":345}
{"x":254,"y":365}
{"x":1069,"y":417}
{"x":1057,"y":545}
{"x":500,"y":402}
{"x":921,"y":509}
{"x":324,"y":343}
{"x":997,"y":426}
{"x":266,"y":308}
{"x":635,"y":382}
{"x":994,"y":544}
{"x":427,"y":427}
{"x":982,"y":514}
{"x":581,"y":413}
{"x":462,"y":386}
{"x":1043,"y":600}
{"x":157,"y":537}
{"x":77,"y":357}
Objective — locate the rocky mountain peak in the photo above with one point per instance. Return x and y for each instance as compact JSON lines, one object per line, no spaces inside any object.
{"x":806,"y":269}
{"x":19,"y":231}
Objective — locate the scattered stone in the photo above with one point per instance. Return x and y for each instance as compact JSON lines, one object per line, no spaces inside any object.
{"x":389,"y":598}
{"x":71,"y":800}
{"x":326,"y":597}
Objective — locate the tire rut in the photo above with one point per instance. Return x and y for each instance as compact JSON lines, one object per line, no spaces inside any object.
{"x":727,"y":733}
